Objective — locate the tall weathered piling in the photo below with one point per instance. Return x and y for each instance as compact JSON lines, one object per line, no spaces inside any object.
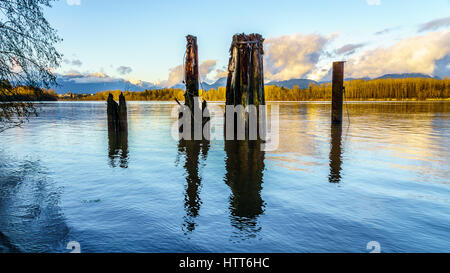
{"x":191,"y":80}
{"x":245,"y":83}
{"x":191,"y":75}
{"x":337,"y":92}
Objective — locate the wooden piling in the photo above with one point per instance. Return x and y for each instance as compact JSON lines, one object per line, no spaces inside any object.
{"x":337,"y":92}
{"x":123,"y":115}
{"x":112,"y":112}
{"x":117,"y":114}
{"x":245,"y":83}
{"x":191,"y":75}
{"x":191,"y":80}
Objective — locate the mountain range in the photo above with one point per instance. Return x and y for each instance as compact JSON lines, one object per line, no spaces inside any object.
{"x":93,"y":83}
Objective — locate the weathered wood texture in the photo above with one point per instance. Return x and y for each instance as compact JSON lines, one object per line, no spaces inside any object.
{"x":245,"y":83}
{"x":337,"y":92}
{"x":117,"y":114}
{"x":123,"y":115}
{"x":112,"y":112}
{"x":191,"y":75}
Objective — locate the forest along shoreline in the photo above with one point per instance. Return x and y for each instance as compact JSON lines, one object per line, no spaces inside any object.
{"x":409,"y":89}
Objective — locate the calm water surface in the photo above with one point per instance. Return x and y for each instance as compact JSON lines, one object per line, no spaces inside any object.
{"x":383,"y":176}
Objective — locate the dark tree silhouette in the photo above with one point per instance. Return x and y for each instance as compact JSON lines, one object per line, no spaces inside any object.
{"x":27,"y":56}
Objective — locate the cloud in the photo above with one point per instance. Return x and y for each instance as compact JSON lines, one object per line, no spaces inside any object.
{"x":73,"y":2}
{"x":176,"y":76}
{"x":349,"y":49}
{"x":206,"y":67}
{"x":73,"y":62}
{"x":418,"y":54}
{"x":435,"y":24}
{"x":77,"y":63}
{"x":123,"y":70}
{"x":96,"y":77}
{"x":221,"y":73}
{"x":293,"y":56}
{"x":373,"y":2}
{"x":72,"y":73}
{"x":384,"y":31}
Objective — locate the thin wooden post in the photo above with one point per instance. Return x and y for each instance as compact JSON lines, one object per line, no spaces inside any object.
{"x":191,"y":72}
{"x":191,"y":80}
{"x":245,"y":83}
{"x":337,"y":92}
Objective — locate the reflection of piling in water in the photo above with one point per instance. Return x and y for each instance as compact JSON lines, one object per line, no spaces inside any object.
{"x":335,"y":153}
{"x":118,"y":148}
{"x":117,"y":131}
{"x":192,"y":202}
{"x":245,"y":83}
{"x":337,"y":92}
{"x":244,"y":166}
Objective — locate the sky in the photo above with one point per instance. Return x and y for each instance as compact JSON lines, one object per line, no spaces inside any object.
{"x":144,"y":40}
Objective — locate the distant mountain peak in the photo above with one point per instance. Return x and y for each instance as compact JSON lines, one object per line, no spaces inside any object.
{"x":301,"y":83}
{"x":78,"y":83}
{"x":405,"y":76}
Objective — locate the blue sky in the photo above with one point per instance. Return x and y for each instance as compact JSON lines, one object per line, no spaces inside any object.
{"x":145,"y":40}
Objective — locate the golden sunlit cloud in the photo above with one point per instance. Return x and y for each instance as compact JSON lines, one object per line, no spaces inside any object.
{"x":417,"y":54}
{"x":293,"y":56}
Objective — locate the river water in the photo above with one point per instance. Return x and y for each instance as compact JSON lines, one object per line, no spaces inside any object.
{"x":383,"y":176}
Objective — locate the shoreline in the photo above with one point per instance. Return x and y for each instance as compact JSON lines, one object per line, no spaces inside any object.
{"x":327,"y":100}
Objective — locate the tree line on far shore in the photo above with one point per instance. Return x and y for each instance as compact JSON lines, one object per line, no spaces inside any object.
{"x":25,"y":93}
{"x":380,"y":89}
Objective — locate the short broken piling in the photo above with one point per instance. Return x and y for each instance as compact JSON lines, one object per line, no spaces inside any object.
{"x":117,"y":114}
{"x":123,"y":116}
{"x":337,"y":92}
{"x":117,"y":130}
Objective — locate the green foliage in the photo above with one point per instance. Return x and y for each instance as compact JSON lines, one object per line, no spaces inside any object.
{"x":382,"y":89}
{"x":27,"y":58}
